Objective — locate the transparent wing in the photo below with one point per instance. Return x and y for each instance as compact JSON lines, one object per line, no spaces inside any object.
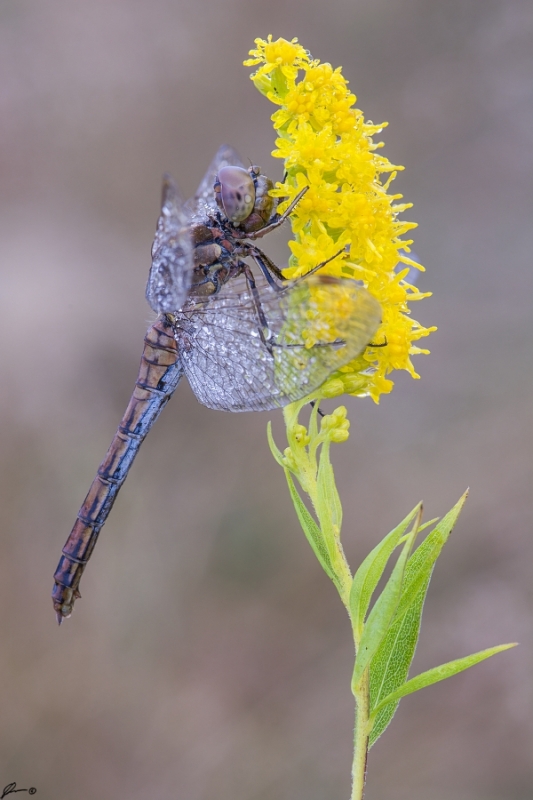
{"x":203,"y":201}
{"x":172,"y":253}
{"x":230,"y":368}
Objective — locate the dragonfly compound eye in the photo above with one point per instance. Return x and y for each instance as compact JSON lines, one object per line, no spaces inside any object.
{"x":235,"y":193}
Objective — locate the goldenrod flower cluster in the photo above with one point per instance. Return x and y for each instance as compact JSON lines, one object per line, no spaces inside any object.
{"x":327,"y":145}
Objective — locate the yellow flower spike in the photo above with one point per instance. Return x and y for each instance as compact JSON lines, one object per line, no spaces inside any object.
{"x":327,"y":145}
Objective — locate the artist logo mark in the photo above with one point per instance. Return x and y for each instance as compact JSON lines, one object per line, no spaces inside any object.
{"x":11,"y":788}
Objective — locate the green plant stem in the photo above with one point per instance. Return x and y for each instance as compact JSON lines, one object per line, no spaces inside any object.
{"x":360,"y":754}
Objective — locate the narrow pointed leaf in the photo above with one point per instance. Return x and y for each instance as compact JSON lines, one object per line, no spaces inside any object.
{"x":311,"y":530}
{"x":382,"y":613}
{"x":390,"y":666}
{"x":278,"y":455}
{"x":440,"y":673}
{"x":421,"y":563}
{"x":367,"y":576}
{"x":329,"y":508}
{"x":313,"y":421}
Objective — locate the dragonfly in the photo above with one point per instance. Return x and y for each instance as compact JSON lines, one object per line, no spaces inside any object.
{"x":239,"y":333}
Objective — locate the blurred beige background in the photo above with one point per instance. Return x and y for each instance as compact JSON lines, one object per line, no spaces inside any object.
{"x":209,"y":656}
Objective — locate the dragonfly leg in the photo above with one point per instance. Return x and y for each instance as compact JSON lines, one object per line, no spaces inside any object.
{"x":278,"y":219}
{"x":264,"y":331}
{"x":267,"y":337}
{"x":320,"y":413}
{"x":378,"y":344}
{"x":267,"y":267}
{"x":318,"y":266}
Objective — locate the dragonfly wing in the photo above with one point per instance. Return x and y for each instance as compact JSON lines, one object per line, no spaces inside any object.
{"x":204,"y":202}
{"x":172,"y":253}
{"x":227,"y":362}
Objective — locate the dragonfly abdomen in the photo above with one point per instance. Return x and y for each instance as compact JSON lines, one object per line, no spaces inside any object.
{"x":159,"y":374}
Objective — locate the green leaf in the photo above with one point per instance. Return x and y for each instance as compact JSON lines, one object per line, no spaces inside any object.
{"x":279,"y":82}
{"x":328,"y":505}
{"x":278,"y":455}
{"x":421,"y":563}
{"x":367,"y":576}
{"x":390,"y":666}
{"x":383,"y":612}
{"x":439,"y":674}
{"x":311,"y":530}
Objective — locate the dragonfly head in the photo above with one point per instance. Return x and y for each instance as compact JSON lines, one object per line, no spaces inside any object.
{"x":243,"y":195}
{"x":235,"y":193}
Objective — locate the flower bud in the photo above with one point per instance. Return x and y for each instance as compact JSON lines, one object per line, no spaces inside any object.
{"x":353,"y":383}
{"x":263,"y":84}
{"x":340,"y":414}
{"x":339,"y":435}
{"x":290,"y":462}
{"x":300,"y":434}
{"x":327,"y":422}
{"x":332,"y":388}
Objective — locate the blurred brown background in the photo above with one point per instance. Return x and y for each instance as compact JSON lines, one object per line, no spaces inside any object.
{"x":210,"y":657}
